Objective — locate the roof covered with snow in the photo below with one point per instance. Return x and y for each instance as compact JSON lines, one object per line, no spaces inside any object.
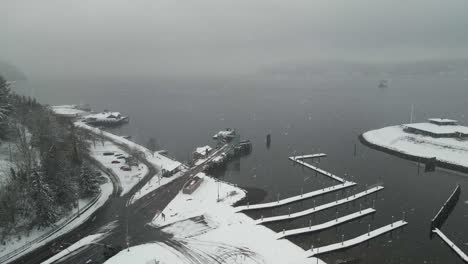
{"x":203,"y":150}
{"x":436,"y":129}
{"x":442,"y":120}
{"x":224,"y":133}
{"x":165,"y":163}
{"x":103,"y":115}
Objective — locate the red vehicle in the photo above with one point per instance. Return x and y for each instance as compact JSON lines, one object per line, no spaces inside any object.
{"x":115,"y":162}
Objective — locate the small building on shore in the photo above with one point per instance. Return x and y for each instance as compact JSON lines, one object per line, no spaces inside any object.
{"x":202,"y":152}
{"x":438,"y":128}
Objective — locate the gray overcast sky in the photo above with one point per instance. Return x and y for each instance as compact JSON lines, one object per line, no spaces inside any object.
{"x":172,"y":37}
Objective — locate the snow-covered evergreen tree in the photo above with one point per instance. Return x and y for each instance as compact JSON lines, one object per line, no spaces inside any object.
{"x":5,"y":106}
{"x":89,"y":183}
{"x":42,"y":196}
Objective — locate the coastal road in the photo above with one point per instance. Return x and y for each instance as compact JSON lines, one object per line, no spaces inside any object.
{"x":129,"y":222}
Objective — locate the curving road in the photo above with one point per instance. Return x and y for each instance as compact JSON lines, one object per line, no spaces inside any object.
{"x":129,"y":223}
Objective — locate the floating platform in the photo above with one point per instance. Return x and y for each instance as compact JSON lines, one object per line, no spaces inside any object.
{"x":452,"y":245}
{"x":296,"y":198}
{"x":357,"y":240}
{"x":323,"y":172}
{"x":332,"y":223}
{"x":311,"y":156}
{"x":320,"y":207}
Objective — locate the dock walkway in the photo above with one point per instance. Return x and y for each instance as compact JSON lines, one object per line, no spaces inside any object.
{"x":296,"y":198}
{"x":357,"y":240}
{"x":323,"y":172}
{"x":332,"y":223}
{"x":321,"y":207}
{"x":310,"y":156}
{"x":452,"y":245}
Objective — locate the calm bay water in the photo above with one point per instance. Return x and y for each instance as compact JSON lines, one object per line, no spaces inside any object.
{"x":303,"y":116}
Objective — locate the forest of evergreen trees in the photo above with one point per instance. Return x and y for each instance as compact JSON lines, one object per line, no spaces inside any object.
{"x":49,"y":169}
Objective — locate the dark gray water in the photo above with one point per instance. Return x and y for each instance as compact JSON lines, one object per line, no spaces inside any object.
{"x":306,"y":115}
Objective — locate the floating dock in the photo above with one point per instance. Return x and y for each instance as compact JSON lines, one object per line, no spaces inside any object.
{"x":296,"y":198}
{"x":452,"y":245}
{"x":320,"y":207}
{"x":311,"y":156}
{"x":356,"y":240}
{"x":323,"y":172}
{"x":332,"y":223}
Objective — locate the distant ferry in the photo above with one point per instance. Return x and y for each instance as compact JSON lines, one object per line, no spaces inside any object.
{"x":383,"y":84}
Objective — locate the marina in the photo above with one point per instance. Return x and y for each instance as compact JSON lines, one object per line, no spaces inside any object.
{"x":329,"y":224}
{"x":321,"y":207}
{"x":357,"y":240}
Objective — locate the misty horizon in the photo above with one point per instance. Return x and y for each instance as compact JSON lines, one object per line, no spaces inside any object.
{"x":210,"y":38}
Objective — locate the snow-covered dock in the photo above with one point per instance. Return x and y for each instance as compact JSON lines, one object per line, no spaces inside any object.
{"x":452,"y":245}
{"x":296,"y":198}
{"x":357,"y":240}
{"x":321,"y":207}
{"x":310,"y":156}
{"x":332,"y":223}
{"x":326,"y":173}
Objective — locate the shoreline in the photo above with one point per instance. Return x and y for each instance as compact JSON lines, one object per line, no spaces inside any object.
{"x":439,"y":163}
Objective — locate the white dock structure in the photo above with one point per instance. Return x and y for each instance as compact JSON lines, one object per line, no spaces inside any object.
{"x":321,"y":207}
{"x":332,"y":223}
{"x":452,"y":245}
{"x":296,"y":198}
{"x":311,"y":156}
{"x":357,"y":240}
{"x":323,"y":172}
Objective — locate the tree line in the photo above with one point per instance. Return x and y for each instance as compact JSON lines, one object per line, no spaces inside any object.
{"x":49,"y":171}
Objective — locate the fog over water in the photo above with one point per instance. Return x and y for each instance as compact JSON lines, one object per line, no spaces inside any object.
{"x":306,"y":71}
{"x":60,"y":39}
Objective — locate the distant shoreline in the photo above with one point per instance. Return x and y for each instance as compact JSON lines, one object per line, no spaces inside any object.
{"x":439,"y":163}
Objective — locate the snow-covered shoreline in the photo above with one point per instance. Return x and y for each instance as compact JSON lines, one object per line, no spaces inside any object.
{"x":39,"y":238}
{"x":210,"y":230}
{"x":451,"y":153}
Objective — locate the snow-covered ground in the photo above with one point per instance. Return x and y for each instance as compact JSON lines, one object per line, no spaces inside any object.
{"x":75,"y":247}
{"x":68,"y":110}
{"x":207,"y":230}
{"x":128,"y":179}
{"x":154,"y":183}
{"x":37,"y":238}
{"x":155,"y":158}
{"x":449,"y":150}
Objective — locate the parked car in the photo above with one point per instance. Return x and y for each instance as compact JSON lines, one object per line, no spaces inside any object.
{"x":125,"y":168}
{"x":108,"y":153}
{"x":115,"y":162}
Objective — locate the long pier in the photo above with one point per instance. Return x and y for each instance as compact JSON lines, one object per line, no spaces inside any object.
{"x":332,"y":223}
{"x":321,"y":207}
{"x":296,"y":198}
{"x":452,"y":245}
{"x":323,"y":172}
{"x":357,"y":240}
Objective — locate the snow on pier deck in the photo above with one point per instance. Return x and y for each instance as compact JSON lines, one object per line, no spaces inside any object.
{"x":326,"y":173}
{"x":452,"y":245}
{"x":296,"y":198}
{"x":321,"y":207}
{"x":326,"y":225}
{"x":311,"y":156}
{"x":357,"y":240}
